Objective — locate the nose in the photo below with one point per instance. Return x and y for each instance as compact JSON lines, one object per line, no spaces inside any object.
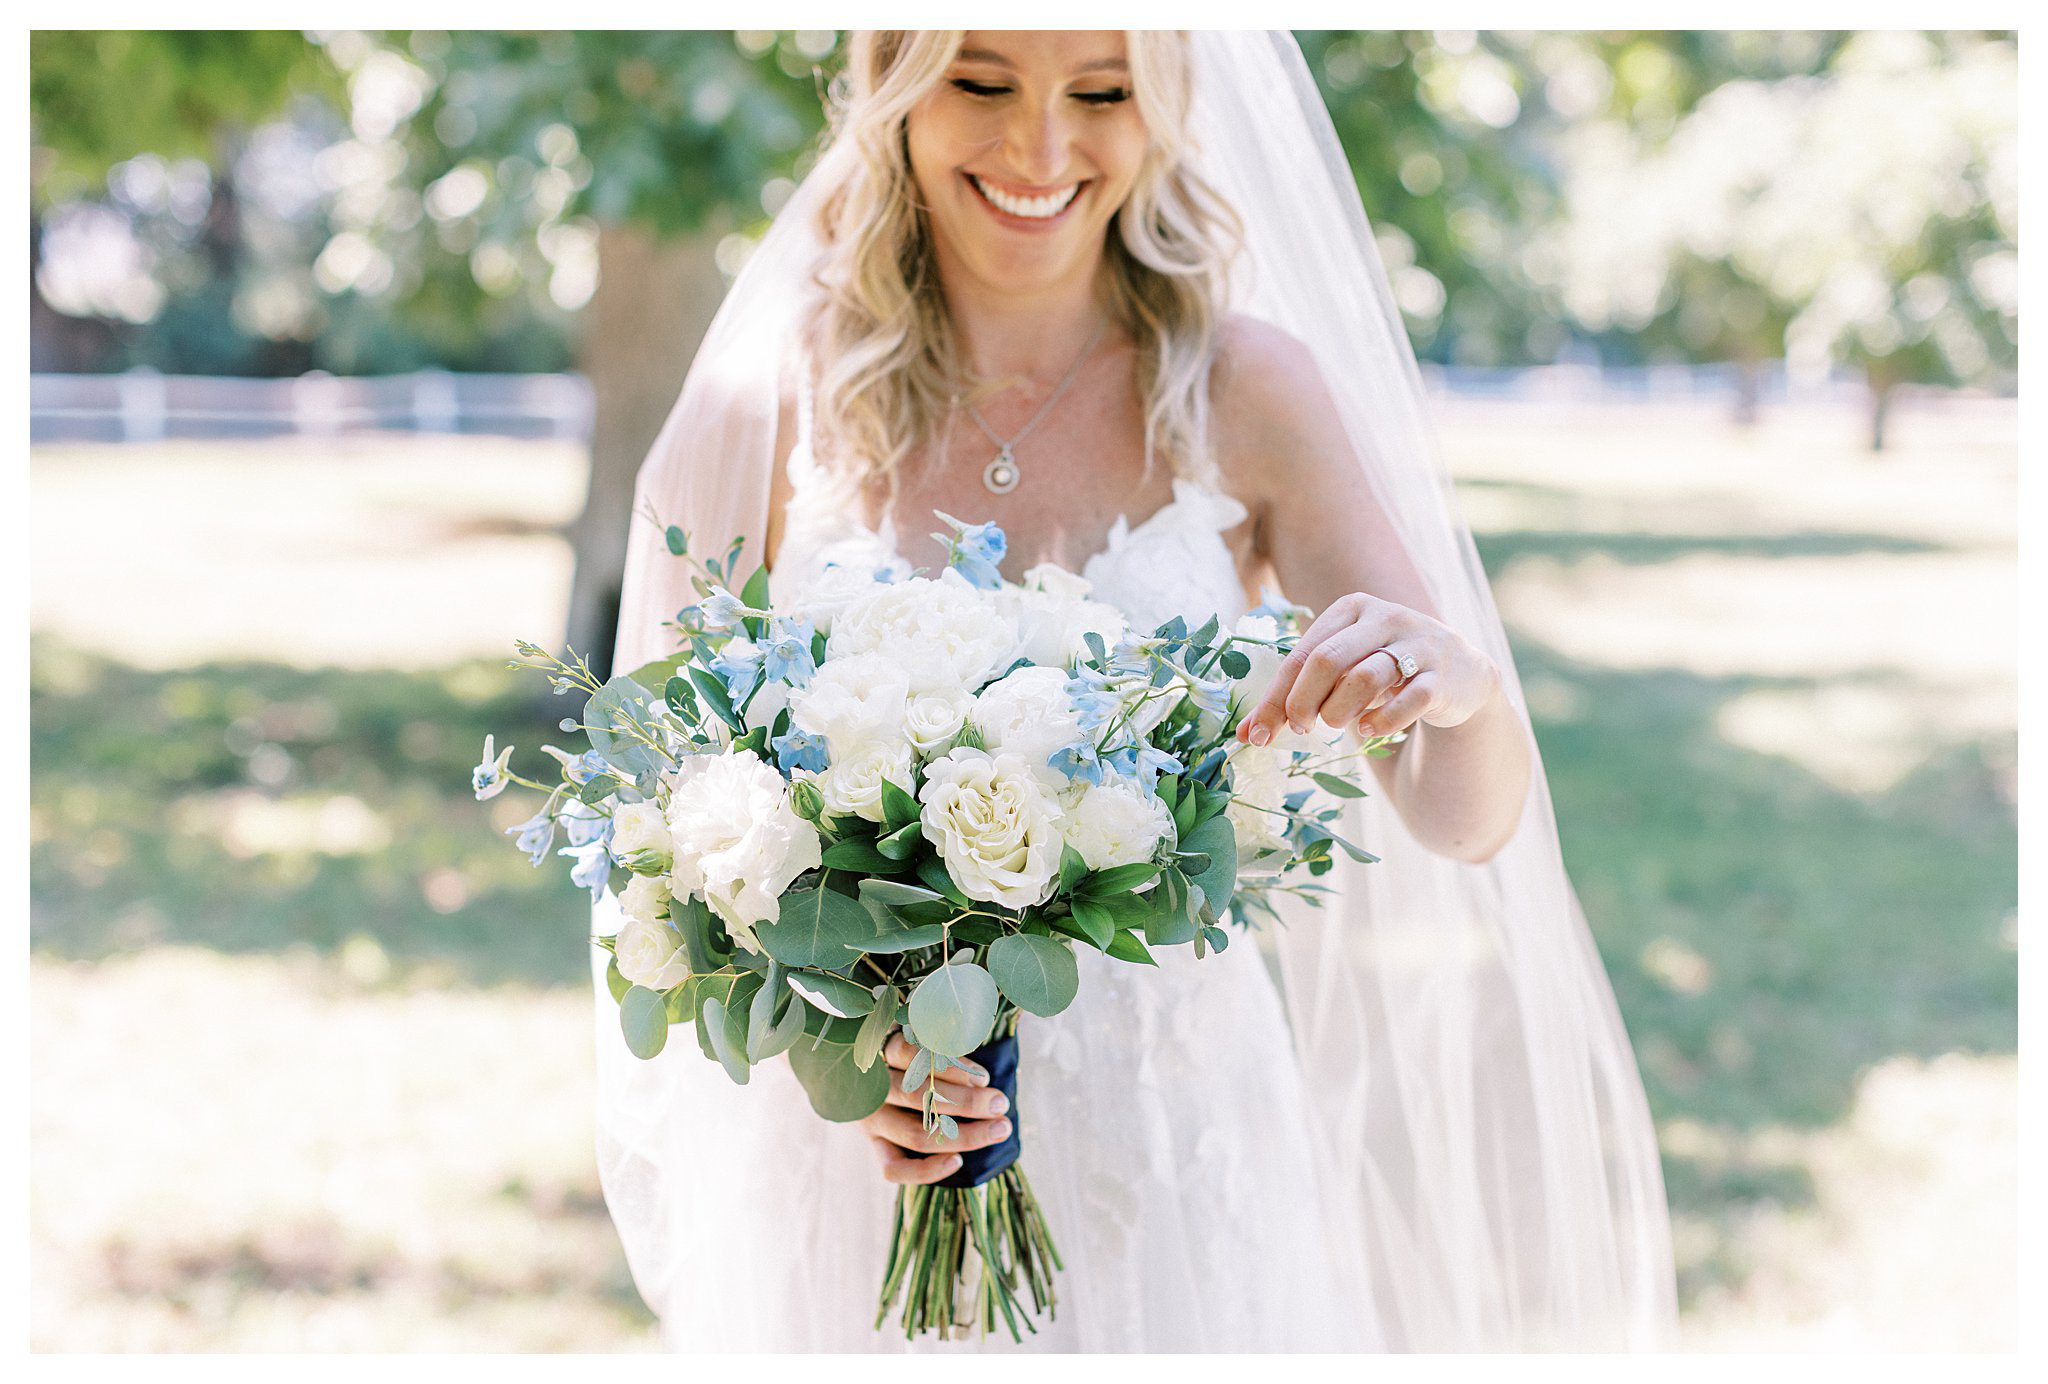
{"x":1035,"y":141}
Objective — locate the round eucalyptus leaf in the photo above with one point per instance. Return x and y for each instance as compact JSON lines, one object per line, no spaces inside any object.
{"x":1037,"y":974}
{"x":838,"y":1088}
{"x":817,"y":927}
{"x":644,"y":1018}
{"x":954,"y":1008}
{"x":836,"y":995}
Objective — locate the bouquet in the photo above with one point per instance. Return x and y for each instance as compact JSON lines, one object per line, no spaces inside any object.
{"x":903,"y":802}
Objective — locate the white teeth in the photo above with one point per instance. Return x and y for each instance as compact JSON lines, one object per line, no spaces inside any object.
{"x":1033,"y":208}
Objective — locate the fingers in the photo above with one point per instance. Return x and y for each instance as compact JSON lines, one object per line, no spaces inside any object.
{"x":898,"y":1054}
{"x":1372,"y":680}
{"x":960,"y":1101}
{"x":1404,"y":708}
{"x":898,"y":1166}
{"x":905,"y":1130}
{"x":1354,"y":618}
{"x":1332,"y":660}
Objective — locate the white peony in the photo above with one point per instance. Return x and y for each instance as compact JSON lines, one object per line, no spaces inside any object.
{"x":1054,"y":614}
{"x":640,"y":836}
{"x":853,"y":702}
{"x":932,"y":719}
{"x":1259,"y":780}
{"x":651,"y":953}
{"x":942,"y":633}
{"x":1057,"y":581}
{"x":739,"y":842}
{"x":994,"y":826}
{"x":851,"y":784}
{"x":840,"y":574}
{"x":1115,"y":823}
{"x":646,"y":896}
{"x":1027,"y":713}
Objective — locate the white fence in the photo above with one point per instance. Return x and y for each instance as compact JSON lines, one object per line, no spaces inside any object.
{"x":145,"y":406}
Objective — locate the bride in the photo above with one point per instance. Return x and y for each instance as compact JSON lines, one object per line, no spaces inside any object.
{"x":1114,"y":293}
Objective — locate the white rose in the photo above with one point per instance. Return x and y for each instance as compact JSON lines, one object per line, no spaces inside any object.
{"x":1027,"y":713}
{"x":993,"y":825}
{"x":640,"y":836}
{"x":851,"y":784}
{"x":645,"y":896}
{"x":944,"y":634}
{"x":1115,"y":823}
{"x":932,"y":719}
{"x":651,"y":953}
{"x":766,"y":704}
{"x":738,"y":839}
{"x":1259,"y":780}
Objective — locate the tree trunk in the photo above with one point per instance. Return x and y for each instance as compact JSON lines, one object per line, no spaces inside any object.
{"x":1749,"y":384}
{"x":654,"y":299}
{"x":1883,"y":389}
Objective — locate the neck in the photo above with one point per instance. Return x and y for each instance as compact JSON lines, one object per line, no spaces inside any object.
{"x":1034,"y":333}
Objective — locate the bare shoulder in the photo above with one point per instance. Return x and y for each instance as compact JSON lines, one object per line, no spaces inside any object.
{"x":1275,"y":424}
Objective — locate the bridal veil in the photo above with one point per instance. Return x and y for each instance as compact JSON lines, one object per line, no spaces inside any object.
{"x":1483,"y":1145}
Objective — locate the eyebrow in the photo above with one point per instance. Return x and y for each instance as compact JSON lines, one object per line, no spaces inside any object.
{"x":990,"y":56}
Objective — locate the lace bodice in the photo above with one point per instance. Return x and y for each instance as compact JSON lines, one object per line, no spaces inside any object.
{"x":1173,"y":562}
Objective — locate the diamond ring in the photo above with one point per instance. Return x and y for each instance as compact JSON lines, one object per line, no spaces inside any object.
{"x":1405,"y":664}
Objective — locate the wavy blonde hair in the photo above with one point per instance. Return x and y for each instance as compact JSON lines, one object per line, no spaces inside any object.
{"x":887,"y":357}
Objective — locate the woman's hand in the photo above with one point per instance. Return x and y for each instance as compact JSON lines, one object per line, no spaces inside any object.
{"x":897,"y":1129}
{"x":1337,"y":672}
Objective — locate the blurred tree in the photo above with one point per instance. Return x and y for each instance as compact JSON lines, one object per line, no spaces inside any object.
{"x":613,"y":178}
{"x":98,"y":99}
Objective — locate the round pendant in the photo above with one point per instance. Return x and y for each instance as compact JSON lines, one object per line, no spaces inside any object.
{"x":1000,"y":475}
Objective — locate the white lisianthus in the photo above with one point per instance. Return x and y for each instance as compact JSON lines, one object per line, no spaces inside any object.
{"x":942,"y":633}
{"x":1259,"y":780}
{"x":1115,"y":823}
{"x":932,"y":719}
{"x":851,"y":785}
{"x":993,"y":825}
{"x":652,"y":954}
{"x":1027,"y":713}
{"x":640,"y":837}
{"x":646,"y":896}
{"x":766,"y":704}
{"x":739,"y":842}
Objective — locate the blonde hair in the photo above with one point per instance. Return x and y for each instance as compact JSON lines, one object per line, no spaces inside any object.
{"x":887,"y":356}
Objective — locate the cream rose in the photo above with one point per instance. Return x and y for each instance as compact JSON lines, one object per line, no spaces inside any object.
{"x":932,"y":719}
{"x":645,"y":896}
{"x":640,"y":837}
{"x":651,"y":953}
{"x":851,"y":784}
{"x":993,"y":824}
{"x":1115,"y":823}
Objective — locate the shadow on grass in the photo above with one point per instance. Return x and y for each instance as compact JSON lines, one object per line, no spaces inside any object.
{"x":1769,"y":935}
{"x":250,"y":807}
{"x":1498,"y":550}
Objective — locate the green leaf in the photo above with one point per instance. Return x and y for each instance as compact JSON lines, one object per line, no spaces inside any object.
{"x":731,"y":1054}
{"x":857,"y":853}
{"x":678,"y":541}
{"x":902,"y":843}
{"x":954,"y":1008}
{"x":838,"y":1088}
{"x":644,"y":1020}
{"x":1184,"y":812}
{"x":897,"y":894}
{"x":1119,"y":879}
{"x":1094,"y":921}
{"x":898,"y":806}
{"x":1359,"y":854}
{"x":874,"y":1030}
{"x":755,"y":592}
{"x":1126,"y":947}
{"x":678,"y":693}
{"x":1337,"y":787}
{"x":932,"y":871}
{"x":782,"y":1037}
{"x":1217,"y":839}
{"x":816,"y":927}
{"x":715,"y":696}
{"x":1170,"y":925}
{"x":905,"y":939}
{"x":1037,"y":974}
{"x":1235,"y":663}
{"x":615,"y":982}
{"x":702,"y":937}
{"x":836,"y":995}
{"x":1072,"y":867}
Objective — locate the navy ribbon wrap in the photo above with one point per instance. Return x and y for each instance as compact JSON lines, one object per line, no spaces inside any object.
{"x":977,"y":1166}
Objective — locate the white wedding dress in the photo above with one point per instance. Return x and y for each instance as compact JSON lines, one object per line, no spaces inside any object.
{"x":1162,"y":1114}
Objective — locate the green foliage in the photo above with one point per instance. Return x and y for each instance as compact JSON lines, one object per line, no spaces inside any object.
{"x":816,"y":927}
{"x":838,"y":1087}
{"x":644,"y":1019}
{"x":953,"y":1008}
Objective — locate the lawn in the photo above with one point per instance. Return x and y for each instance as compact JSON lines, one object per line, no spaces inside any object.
{"x":310,"y":1040}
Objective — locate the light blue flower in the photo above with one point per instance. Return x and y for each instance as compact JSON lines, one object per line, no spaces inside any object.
{"x":537,"y":833}
{"x":1278,"y":607}
{"x":786,"y":652}
{"x":739,"y":671}
{"x":1209,"y":696}
{"x":973,"y":550}
{"x":721,"y":610}
{"x":1078,"y":762}
{"x":593,"y":868}
{"x":488,"y":778}
{"x":1149,"y":763}
{"x":584,"y":825}
{"x":799,"y":749}
{"x":1093,"y":705}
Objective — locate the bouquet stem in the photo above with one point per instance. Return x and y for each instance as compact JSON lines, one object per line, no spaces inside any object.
{"x":995,"y":1231}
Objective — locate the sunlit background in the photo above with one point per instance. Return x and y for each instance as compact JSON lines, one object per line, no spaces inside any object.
{"x":345,"y":347}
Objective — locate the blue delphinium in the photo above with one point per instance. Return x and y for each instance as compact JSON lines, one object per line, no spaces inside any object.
{"x":488,"y":777}
{"x":1078,"y":762}
{"x":537,"y":833}
{"x":1093,"y":703}
{"x":973,"y":550}
{"x":721,"y":610}
{"x":593,"y":869}
{"x":799,"y":749}
{"x":786,"y":651}
{"x":739,"y":668}
{"x":1142,"y":763}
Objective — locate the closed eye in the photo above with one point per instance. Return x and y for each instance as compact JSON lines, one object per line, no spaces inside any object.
{"x":1113,"y":96}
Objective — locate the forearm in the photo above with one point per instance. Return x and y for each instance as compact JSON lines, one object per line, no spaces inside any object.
{"x":1460,"y":789}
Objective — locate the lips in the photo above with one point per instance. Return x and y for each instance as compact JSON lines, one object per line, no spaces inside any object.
{"x":1041,"y":209}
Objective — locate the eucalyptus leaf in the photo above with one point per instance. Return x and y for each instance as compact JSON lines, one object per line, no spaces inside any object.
{"x":896,"y":894}
{"x":787,"y":1030}
{"x":1217,"y":839}
{"x":836,"y":995}
{"x":904,"y":939}
{"x":838,"y":1088}
{"x":954,"y":1008}
{"x":731,"y":1056}
{"x":874,"y":1030}
{"x":816,"y":927}
{"x":1337,"y":787}
{"x":919,"y":1070}
{"x":1036,"y":974}
{"x":644,"y":1020}
{"x":615,"y":982}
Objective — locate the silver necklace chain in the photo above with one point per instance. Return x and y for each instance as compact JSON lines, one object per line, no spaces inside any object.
{"x":1000,"y":476}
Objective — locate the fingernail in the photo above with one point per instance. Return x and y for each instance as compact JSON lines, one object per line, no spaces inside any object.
{"x":1260,"y":735}
{"x":978,"y":1072}
{"x":999,"y":1103}
{"x":1002,"y":1129}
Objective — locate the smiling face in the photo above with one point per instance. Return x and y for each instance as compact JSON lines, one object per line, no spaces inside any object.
{"x":1023,"y":152}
